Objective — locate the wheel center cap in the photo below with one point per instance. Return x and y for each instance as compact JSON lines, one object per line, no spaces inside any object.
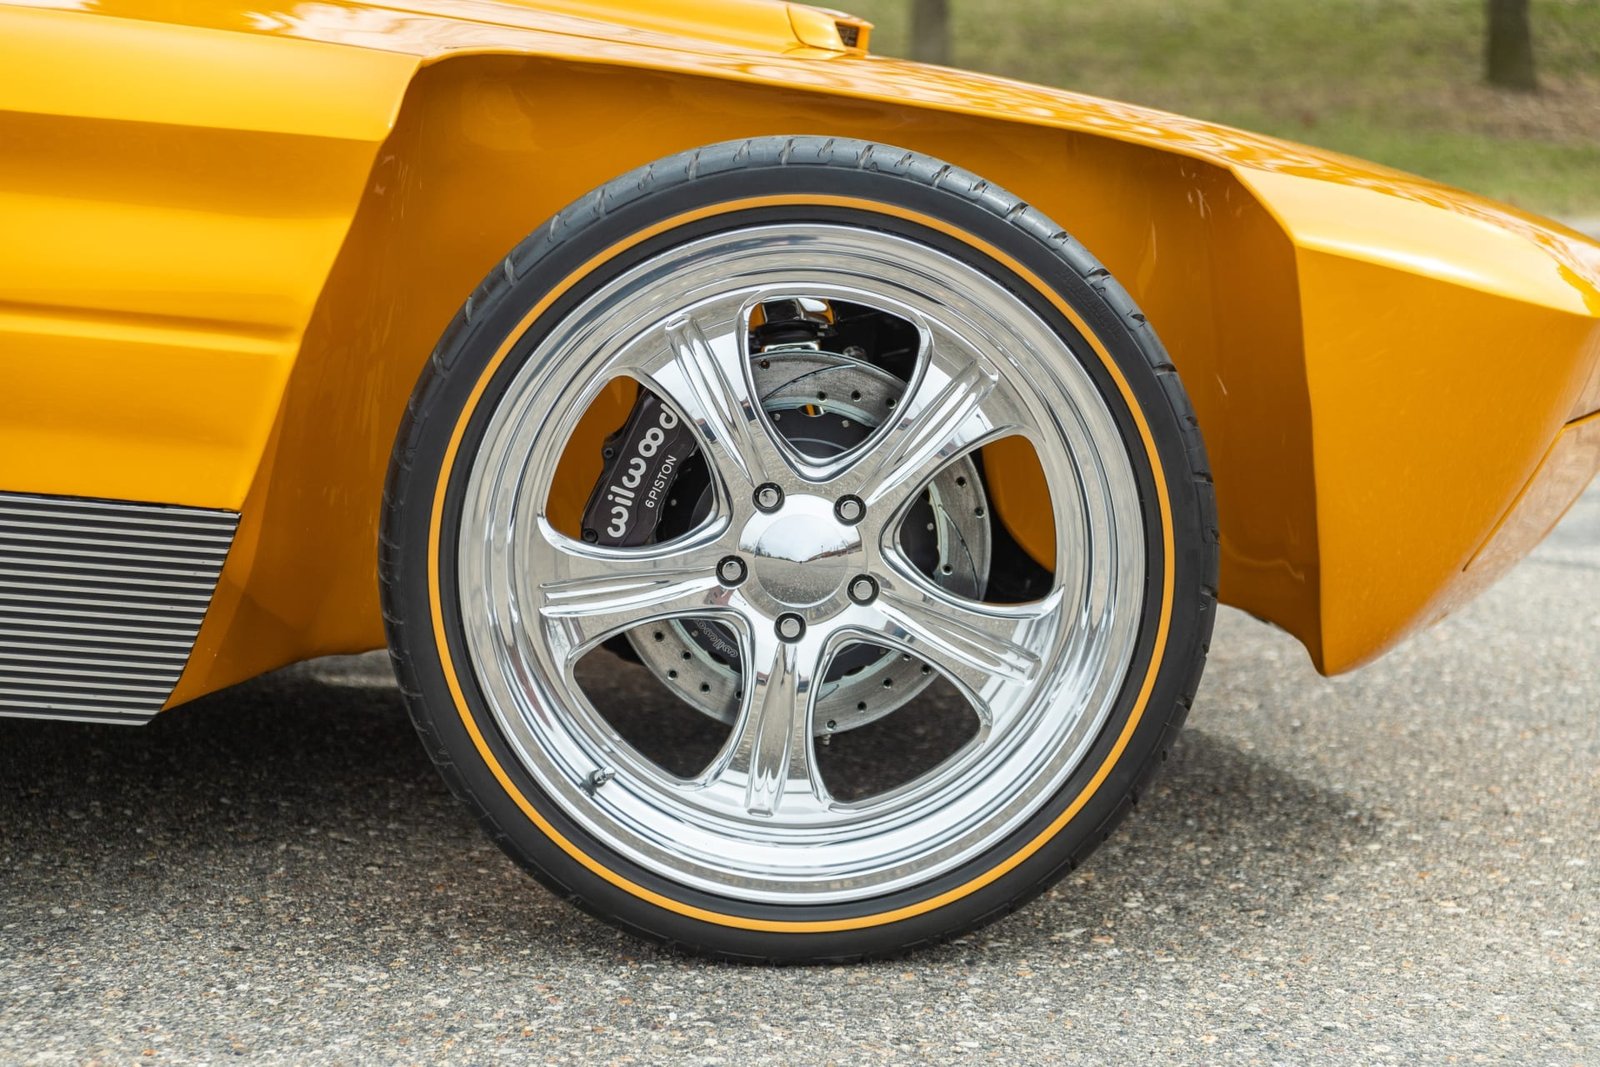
{"x":801,"y":555}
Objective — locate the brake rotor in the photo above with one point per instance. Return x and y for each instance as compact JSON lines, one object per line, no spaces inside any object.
{"x":825,"y":404}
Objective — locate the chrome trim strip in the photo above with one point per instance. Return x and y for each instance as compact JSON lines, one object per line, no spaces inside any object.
{"x":28,"y":592}
{"x":136,"y":565}
{"x":100,"y":603}
{"x":155,"y":616}
{"x":120,"y":527}
{"x":83,"y":645}
{"x":106,"y":668}
{"x":111,"y":691}
{"x":156,"y":628}
{"x":112,"y":512}
{"x":67,"y":712}
{"x":16,"y":579}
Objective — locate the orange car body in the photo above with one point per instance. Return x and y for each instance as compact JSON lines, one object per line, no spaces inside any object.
{"x":230,"y":235}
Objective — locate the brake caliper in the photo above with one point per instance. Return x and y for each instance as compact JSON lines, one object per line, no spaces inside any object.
{"x":641,"y":462}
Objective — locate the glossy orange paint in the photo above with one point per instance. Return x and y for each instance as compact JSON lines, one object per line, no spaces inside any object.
{"x":1568,"y":467}
{"x":1380,"y":364}
{"x":168,"y":216}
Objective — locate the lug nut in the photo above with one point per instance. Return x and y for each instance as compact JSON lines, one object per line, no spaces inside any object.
{"x":769,"y":497}
{"x":731,"y":570}
{"x":863,"y":589}
{"x":791,"y":627}
{"x":849,"y":510}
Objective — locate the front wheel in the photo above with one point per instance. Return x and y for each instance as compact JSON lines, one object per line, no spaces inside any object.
{"x":799,"y":549}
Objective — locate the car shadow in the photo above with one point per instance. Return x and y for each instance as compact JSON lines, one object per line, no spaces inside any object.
{"x":302,"y":803}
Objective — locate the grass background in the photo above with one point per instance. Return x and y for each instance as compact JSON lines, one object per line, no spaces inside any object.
{"x":1395,"y":81}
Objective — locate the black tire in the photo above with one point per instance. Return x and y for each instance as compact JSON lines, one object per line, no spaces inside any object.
{"x":455,"y":396}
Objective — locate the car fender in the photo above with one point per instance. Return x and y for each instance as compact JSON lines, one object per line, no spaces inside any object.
{"x":1380,"y":365}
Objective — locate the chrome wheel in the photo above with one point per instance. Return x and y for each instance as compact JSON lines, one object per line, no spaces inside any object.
{"x":799,"y":549}
{"x":800,"y":389}
{"x":822,"y":567}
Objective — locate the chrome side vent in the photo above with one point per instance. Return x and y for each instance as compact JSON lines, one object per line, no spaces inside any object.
{"x":100,"y":603}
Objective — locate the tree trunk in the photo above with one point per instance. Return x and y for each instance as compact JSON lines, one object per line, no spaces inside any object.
{"x":1509,"y":52}
{"x":930,"y":31}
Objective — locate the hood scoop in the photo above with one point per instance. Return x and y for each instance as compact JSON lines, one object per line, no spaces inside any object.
{"x":834,"y":31}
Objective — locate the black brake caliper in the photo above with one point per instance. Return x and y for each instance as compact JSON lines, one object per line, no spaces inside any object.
{"x":641,"y":461}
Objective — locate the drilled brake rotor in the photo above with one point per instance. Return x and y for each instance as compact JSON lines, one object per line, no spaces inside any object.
{"x":825,"y":404}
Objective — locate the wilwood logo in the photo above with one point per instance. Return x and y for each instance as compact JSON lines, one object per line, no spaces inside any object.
{"x":623,"y":493}
{"x":642,"y":460}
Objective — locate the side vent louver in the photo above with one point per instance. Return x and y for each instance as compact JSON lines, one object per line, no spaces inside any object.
{"x":100,"y":603}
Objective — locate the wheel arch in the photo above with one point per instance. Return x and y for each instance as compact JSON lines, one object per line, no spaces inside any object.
{"x":1211,"y":267}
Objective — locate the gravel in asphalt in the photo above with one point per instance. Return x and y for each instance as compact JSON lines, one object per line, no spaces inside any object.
{"x":1397,"y":865}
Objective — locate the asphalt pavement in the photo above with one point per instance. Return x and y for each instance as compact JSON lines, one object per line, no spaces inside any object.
{"x":1394,"y":866}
